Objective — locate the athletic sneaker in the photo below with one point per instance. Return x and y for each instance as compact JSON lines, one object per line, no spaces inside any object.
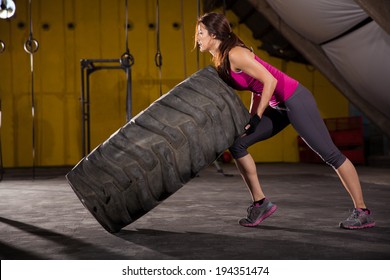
{"x":359,"y":219}
{"x":257,"y":213}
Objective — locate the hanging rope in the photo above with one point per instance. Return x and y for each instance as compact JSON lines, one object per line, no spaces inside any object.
{"x":224,"y":7}
{"x":197,"y":49}
{"x":158,"y":56}
{"x":31,"y":46}
{"x":183,"y":38}
{"x":127,"y":60}
{"x":2,"y":49}
{"x":1,"y":151}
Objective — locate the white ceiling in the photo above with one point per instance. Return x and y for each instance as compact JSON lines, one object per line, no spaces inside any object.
{"x":362,"y":56}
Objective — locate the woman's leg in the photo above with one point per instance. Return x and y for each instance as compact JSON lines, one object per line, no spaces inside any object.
{"x":306,"y":119}
{"x":349,"y":177}
{"x":361,"y":216}
{"x":261,"y":208}
{"x":272,"y":122}
{"x":247,"y":167}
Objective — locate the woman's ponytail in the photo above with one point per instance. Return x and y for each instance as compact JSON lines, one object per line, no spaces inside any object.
{"x":218,"y":25}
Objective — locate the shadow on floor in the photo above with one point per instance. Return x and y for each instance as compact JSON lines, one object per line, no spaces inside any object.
{"x":75,"y":248}
{"x":217,"y":246}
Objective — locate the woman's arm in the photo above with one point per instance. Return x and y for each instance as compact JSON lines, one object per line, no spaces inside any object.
{"x":243,"y":59}
{"x":254,"y":103}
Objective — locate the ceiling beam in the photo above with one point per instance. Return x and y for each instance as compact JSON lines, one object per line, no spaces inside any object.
{"x":378,"y":10}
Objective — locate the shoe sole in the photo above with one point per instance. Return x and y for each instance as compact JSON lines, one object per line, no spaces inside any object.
{"x":262,"y":218}
{"x":370,"y":225}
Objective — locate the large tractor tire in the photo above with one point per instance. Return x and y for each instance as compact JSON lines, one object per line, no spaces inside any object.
{"x":159,"y":150}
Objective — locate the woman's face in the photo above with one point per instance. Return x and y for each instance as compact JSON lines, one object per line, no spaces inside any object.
{"x":205,"y":41}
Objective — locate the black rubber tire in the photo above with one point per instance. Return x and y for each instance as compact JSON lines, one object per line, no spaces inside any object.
{"x":159,"y":150}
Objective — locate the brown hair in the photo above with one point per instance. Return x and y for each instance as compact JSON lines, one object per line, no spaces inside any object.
{"x":218,"y":25}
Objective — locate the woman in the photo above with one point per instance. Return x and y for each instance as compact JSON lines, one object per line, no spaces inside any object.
{"x":277,"y":101}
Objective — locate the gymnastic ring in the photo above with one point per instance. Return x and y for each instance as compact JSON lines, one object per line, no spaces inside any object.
{"x":127,"y":59}
{"x":31,"y":46}
{"x":158,"y":59}
{"x":2,"y":46}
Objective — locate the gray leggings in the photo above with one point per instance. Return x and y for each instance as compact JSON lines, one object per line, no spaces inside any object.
{"x":301,"y":111}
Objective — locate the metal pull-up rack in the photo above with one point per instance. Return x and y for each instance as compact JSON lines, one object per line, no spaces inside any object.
{"x":89,"y":66}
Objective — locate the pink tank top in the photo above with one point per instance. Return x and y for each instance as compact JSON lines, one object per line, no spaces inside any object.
{"x":284,"y":88}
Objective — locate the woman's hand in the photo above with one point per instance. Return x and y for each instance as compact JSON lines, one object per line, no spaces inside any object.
{"x":252,"y":124}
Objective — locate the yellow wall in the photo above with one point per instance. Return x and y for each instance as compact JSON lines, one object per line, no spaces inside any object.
{"x":99,"y":33}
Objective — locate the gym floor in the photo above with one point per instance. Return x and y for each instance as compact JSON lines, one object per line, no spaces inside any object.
{"x":42,"y":218}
